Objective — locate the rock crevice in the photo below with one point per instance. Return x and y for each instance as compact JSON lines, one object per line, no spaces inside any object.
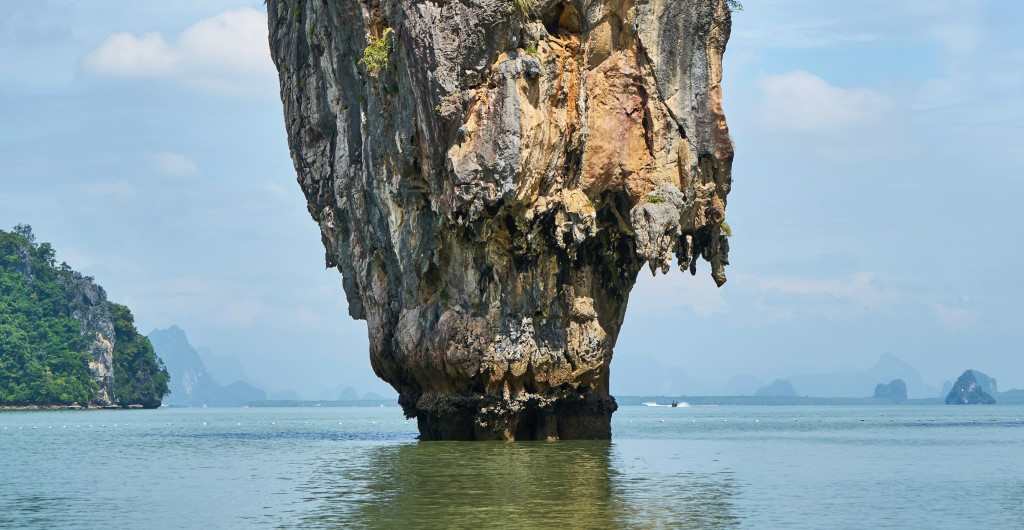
{"x":490,"y":192}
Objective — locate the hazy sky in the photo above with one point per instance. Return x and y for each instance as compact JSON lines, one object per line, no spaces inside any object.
{"x":876,"y":204}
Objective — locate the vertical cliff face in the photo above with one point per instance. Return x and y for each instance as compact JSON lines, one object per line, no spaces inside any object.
{"x":489,"y":176}
{"x":87,"y":303}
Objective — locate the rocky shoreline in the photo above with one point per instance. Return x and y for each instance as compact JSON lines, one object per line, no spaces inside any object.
{"x":73,"y":406}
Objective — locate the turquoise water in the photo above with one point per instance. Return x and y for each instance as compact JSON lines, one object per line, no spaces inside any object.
{"x":698,"y":467}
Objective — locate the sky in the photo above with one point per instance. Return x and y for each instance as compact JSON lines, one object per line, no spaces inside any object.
{"x":875,"y":205}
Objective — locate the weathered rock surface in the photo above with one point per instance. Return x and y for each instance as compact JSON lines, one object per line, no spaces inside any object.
{"x":88,"y":305}
{"x":490,"y":193}
{"x":973,"y":388}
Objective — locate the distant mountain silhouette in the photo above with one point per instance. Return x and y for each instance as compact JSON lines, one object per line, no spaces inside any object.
{"x":743,"y":385}
{"x":283,"y":395}
{"x":895,"y":391}
{"x":1011,"y":397}
{"x":642,"y":375}
{"x":777,"y":388}
{"x":192,"y":385}
{"x":348,"y":394}
{"x":351,"y":394}
{"x":222,"y":367}
{"x":856,"y":384}
{"x":973,"y":388}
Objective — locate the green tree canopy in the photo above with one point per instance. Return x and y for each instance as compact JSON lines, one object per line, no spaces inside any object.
{"x":44,"y":357}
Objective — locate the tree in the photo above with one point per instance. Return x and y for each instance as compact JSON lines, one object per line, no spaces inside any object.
{"x":139,"y":375}
{"x":44,"y":356}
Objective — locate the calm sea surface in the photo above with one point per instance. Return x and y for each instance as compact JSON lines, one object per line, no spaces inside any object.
{"x":699,"y":467}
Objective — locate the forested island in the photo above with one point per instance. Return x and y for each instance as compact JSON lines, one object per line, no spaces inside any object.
{"x":62,"y":343}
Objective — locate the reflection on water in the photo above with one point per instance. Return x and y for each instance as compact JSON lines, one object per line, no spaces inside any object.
{"x":804,"y":468}
{"x":524,"y":485}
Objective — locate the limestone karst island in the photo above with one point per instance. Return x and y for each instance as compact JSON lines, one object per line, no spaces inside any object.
{"x":62,"y":343}
{"x":581,"y":264}
{"x":489,"y":177}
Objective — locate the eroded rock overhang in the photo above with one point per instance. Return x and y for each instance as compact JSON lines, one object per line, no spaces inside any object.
{"x":490,"y":190}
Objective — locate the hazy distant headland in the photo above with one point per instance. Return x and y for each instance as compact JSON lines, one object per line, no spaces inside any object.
{"x":192,"y":385}
{"x":972,"y":387}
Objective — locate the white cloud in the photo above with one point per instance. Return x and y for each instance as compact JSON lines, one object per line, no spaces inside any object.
{"x":859,"y":288}
{"x":236,"y":40}
{"x":124,"y":54}
{"x":954,"y":317}
{"x":802,"y":101}
{"x":224,"y":53}
{"x":677,"y":290}
{"x":174,"y":164}
{"x":807,"y":34}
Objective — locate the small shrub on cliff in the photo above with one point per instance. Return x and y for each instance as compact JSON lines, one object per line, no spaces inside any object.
{"x":377,"y":53}
{"x":726,"y":229}
{"x":734,"y":5}
{"x":525,"y":6}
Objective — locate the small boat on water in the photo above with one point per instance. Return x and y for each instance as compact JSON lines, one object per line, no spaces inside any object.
{"x":675,"y":404}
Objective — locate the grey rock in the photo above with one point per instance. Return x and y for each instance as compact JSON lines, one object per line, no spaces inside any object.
{"x":490,"y":194}
{"x":973,"y":388}
{"x":895,"y":391}
{"x":87,"y":303}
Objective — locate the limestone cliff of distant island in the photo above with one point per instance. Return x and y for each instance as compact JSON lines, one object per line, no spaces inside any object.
{"x":973,"y":388}
{"x":895,"y":391}
{"x":193,"y":384}
{"x":489,"y":176}
{"x":62,"y":343}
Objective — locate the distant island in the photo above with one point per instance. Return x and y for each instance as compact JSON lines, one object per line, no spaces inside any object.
{"x":192,"y":384}
{"x":777,"y":388}
{"x":895,"y":391}
{"x":62,"y":343}
{"x":973,"y":388}
{"x":860,"y":382}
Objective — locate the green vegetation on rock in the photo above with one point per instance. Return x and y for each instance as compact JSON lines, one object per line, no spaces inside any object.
{"x":377,"y":53}
{"x":49,"y":317}
{"x":726,"y":229}
{"x":139,"y":375}
{"x":525,"y":6}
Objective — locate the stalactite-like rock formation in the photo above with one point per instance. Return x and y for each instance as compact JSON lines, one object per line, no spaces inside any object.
{"x":489,"y":176}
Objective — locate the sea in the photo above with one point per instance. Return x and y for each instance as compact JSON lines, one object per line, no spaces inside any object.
{"x":700,"y":467}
